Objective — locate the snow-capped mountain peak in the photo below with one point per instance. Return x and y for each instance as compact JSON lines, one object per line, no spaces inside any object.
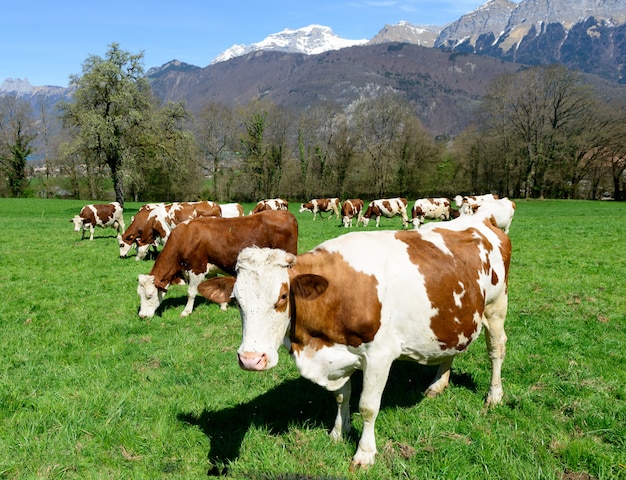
{"x":308,"y":40}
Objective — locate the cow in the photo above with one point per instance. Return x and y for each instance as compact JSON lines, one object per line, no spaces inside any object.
{"x":319,"y":205}
{"x":349,"y":209}
{"x":430,"y":208}
{"x":386,"y":207}
{"x":231,"y":210}
{"x":270,"y":204}
{"x":161,"y":219}
{"x":99,"y":215}
{"x":208,"y":246}
{"x":474,"y":199}
{"x":502,"y":210}
{"x":424,"y":296}
{"x":148,"y":228}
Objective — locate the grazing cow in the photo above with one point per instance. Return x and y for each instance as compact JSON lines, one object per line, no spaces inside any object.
{"x":430,"y":208}
{"x":424,"y":296}
{"x":99,"y":215}
{"x":386,"y":207}
{"x":160,"y":220}
{"x":136,"y":230}
{"x":271,"y":204}
{"x":231,"y":210}
{"x":351,"y":208}
{"x":502,"y":210}
{"x":207,"y":246}
{"x":319,"y":205}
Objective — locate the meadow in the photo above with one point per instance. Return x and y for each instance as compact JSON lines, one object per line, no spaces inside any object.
{"x":88,"y":390}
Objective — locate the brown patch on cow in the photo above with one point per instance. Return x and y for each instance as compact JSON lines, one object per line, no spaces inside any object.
{"x":217,"y":289}
{"x":494,"y":277}
{"x":451,"y":279}
{"x":283,"y":298}
{"x":352,"y":206}
{"x":346,"y":311}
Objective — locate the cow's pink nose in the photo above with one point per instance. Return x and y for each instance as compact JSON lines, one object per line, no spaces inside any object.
{"x":252,"y":361}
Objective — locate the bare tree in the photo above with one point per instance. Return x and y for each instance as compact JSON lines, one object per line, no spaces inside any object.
{"x":215,"y":134}
{"x":536,"y":116}
{"x":17,"y":133}
{"x":393,"y":143}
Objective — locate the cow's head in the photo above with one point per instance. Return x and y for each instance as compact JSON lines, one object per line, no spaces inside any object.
{"x":262,"y":293}
{"x":126,"y":244}
{"x":149,"y":295}
{"x":418,"y":216}
{"x":78,"y":223}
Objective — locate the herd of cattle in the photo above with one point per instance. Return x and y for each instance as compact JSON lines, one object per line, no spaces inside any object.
{"x":356,"y":302}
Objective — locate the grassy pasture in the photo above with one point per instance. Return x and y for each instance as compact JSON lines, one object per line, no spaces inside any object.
{"x":88,"y":390}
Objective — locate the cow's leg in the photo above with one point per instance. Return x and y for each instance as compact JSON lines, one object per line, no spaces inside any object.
{"x":192,"y":291}
{"x":442,"y":379}
{"x":375,"y":374}
{"x":495,"y":337}
{"x":342,"y":420}
{"x":91,"y":229}
{"x":378,"y":220}
{"x":142,"y":251}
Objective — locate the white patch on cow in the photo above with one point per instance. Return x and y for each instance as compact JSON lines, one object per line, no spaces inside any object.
{"x":264,"y":327}
{"x":458,"y":297}
{"x":329,"y":367}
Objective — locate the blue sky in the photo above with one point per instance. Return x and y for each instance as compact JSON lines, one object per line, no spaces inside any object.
{"x":45,"y":41}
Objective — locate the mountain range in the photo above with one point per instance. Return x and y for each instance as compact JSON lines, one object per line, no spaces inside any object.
{"x":444,"y":70}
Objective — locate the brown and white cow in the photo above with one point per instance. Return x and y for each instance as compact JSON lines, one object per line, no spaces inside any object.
{"x":152,"y":225}
{"x":353,"y":207}
{"x":386,"y":207}
{"x":149,"y":229}
{"x":425,"y":296}
{"x":502,"y":210}
{"x":99,"y":215}
{"x":430,"y":208}
{"x":271,"y":204}
{"x":322,"y":205}
{"x":210,"y":245}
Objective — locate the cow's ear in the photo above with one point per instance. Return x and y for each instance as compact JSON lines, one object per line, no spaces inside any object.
{"x":289,"y":260}
{"x":308,"y":286}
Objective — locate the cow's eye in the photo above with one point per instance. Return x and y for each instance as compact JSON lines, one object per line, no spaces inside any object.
{"x":281,"y":301}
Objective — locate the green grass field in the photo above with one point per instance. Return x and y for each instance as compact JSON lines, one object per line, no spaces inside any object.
{"x":89,"y":390}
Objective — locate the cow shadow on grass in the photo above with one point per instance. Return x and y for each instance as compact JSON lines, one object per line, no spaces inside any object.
{"x":300,"y":403}
{"x":178,"y":302}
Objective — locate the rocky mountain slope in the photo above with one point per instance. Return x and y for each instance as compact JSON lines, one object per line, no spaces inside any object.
{"x":585,"y":35}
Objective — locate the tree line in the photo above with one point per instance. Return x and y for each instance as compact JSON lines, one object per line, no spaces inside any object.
{"x":540,"y":132}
